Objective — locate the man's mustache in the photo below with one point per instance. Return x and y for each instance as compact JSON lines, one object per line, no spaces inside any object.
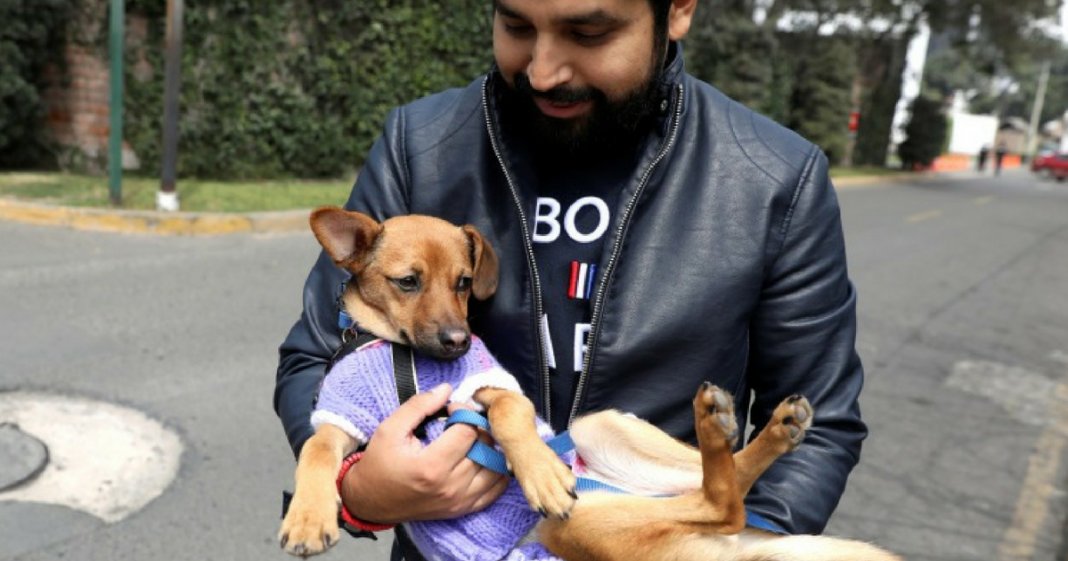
{"x":556,"y":95}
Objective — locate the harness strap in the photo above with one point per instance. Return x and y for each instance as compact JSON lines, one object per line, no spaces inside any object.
{"x":404,"y":375}
{"x":491,"y":459}
{"x":404,"y":372}
{"x":351,"y":340}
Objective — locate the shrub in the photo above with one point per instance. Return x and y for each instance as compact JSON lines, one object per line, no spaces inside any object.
{"x":31,"y":36}
{"x":925,"y":134}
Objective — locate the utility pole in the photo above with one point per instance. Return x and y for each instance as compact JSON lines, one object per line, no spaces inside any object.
{"x":167,"y":197}
{"x":1036,"y":111}
{"x":116,"y":32}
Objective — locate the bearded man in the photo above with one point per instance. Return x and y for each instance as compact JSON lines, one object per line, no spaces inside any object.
{"x":653,"y":234}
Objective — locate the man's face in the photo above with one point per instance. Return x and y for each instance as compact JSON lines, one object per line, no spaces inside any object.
{"x":583,"y":71}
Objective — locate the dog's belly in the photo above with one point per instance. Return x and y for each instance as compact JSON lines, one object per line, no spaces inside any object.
{"x":628,"y":453}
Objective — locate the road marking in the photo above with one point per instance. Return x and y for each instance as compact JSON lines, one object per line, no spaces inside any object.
{"x":105,"y":460}
{"x":1030,"y":398}
{"x":1039,"y":488}
{"x":982,"y":200}
{"x":921,"y":216}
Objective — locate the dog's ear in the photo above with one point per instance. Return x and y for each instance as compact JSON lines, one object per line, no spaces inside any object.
{"x":346,"y":236}
{"x":484,"y":280}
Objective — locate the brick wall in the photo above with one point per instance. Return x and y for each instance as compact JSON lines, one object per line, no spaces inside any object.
{"x":77,"y":107}
{"x":77,"y":101}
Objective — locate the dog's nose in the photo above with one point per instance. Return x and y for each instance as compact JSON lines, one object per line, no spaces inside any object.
{"x":454,"y":340}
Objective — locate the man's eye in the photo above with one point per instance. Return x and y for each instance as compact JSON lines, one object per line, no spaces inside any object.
{"x":589,"y":38}
{"x":464,"y":284}
{"x":408,"y":284}
{"x":518,"y":29}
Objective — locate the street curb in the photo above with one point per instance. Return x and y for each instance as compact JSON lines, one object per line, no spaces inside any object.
{"x":220,"y":223}
{"x":151,"y":222}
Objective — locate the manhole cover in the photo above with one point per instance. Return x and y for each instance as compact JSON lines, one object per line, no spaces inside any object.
{"x":21,"y":456}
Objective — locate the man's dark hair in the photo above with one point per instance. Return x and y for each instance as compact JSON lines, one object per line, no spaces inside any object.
{"x":660,"y":14}
{"x":660,"y":17}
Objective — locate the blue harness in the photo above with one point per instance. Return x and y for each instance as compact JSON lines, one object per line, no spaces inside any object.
{"x":491,"y":459}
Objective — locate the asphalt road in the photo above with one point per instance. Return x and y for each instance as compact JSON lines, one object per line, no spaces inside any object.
{"x":963,"y":287}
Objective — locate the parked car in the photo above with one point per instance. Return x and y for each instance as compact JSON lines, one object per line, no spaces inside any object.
{"x":1051,"y":165}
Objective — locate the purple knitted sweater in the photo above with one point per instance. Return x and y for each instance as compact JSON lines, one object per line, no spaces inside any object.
{"x":359,"y":393}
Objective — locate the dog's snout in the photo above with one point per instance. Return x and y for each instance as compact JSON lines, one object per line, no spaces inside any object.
{"x":454,"y":340}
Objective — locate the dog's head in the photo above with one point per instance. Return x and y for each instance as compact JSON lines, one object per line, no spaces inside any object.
{"x":413,"y":276}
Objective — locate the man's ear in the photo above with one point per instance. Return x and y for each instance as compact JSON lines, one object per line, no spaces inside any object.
{"x":680,"y":16}
{"x":484,"y":279}
{"x":346,"y":236}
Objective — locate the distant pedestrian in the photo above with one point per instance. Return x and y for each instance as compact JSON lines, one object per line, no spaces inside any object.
{"x":999,"y":155}
{"x":980,"y":162}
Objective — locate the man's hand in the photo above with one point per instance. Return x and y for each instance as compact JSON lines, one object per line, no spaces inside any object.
{"x":399,"y":480}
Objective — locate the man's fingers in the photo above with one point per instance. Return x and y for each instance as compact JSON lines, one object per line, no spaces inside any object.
{"x":456,"y":406}
{"x":414,"y":411}
{"x":487,"y":487}
{"x":453,"y":444}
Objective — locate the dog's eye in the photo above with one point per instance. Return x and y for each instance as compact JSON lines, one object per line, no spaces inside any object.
{"x":464,"y":284}
{"x":408,"y":284}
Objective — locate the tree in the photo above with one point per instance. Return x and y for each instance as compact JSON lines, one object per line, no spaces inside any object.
{"x":1001,"y":31}
{"x":925,"y":134}
{"x":729,"y":50}
{"x":822,"y":90}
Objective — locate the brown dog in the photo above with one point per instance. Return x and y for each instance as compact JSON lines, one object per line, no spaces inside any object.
{"x":413,"y":276}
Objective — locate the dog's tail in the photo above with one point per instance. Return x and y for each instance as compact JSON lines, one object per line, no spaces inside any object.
{"x":813,"y":548}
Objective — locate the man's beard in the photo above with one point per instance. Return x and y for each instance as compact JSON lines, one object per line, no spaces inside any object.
{"x":608,"y":127}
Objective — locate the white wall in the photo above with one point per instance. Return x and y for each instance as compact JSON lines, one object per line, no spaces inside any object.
{"x":971,"y":132}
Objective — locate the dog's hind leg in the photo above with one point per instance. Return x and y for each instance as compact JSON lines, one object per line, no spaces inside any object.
{"x":783,"y":433}
{"x":609,"y":527}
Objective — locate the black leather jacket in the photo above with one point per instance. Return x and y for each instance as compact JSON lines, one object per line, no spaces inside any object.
{"x":727,"y":264}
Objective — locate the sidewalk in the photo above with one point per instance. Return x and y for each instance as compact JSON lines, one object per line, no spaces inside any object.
{"x":217,"y":223}
{"x":151,"y":222}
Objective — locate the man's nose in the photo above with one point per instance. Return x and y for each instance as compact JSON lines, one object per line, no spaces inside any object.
{"x":548,"y":66}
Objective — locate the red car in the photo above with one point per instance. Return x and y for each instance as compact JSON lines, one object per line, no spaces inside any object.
{"x":1051,"y":165}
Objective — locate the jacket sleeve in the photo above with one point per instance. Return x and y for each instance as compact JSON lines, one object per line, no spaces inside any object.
{"x":802,"y":341}
{"x":379,"y":192}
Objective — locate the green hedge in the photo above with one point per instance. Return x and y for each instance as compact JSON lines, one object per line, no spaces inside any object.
{"x":296,"y":88}
{"x":30,"y":38}
{"x":300,"y":88}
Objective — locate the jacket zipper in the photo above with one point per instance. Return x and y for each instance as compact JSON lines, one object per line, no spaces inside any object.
{"x":602,"y":287}
{"x":543,"y":367}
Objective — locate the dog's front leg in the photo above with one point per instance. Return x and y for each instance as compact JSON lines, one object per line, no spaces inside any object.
{"x":310,"y":526}
{"x":547,"y":482}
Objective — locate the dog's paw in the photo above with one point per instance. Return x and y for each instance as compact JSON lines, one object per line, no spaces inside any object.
{"x":547,"y":482}
{"x":790,"y":420}
{"x":309,"y":529}
{"x":714,"y":410}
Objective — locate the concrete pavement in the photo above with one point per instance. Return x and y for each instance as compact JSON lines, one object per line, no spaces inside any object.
{"x":963,"y":327}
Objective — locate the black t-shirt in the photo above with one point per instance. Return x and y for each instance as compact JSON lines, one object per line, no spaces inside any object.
{"x":577,"y":207}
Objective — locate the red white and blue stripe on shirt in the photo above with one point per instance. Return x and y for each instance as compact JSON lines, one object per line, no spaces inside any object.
{"x":582,"y":277}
